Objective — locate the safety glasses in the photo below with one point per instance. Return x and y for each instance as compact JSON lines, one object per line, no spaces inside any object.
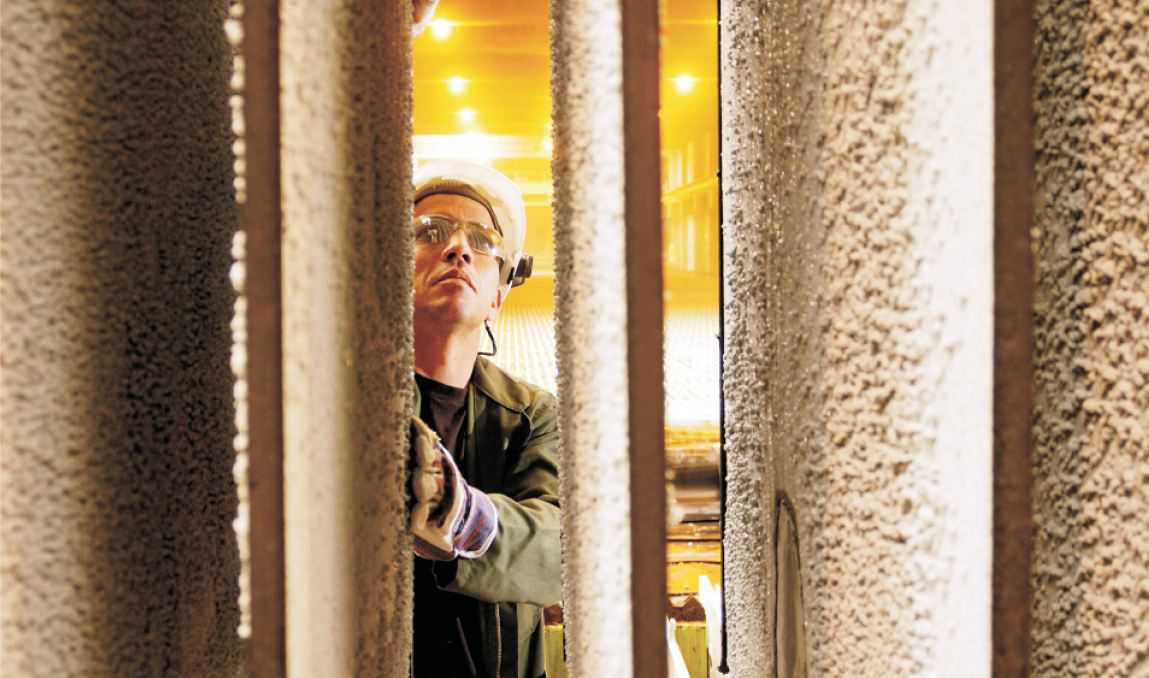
{"x":436,"y":230}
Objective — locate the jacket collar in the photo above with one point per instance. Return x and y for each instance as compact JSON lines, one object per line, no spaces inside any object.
{"x":499,"y":386}
{"x":495,"y":384}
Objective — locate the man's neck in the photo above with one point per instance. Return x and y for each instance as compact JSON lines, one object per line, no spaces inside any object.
{"x":447,"y":358}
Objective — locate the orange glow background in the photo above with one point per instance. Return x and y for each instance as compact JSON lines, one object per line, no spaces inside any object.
{"x":482,"y":92}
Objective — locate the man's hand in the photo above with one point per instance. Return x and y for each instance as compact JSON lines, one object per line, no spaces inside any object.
{"x":449,"y":519}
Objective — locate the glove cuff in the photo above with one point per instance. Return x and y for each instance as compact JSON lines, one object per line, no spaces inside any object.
{"x":473,"y":528}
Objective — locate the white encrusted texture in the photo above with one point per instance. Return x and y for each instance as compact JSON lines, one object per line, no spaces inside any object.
{"x":747,"y":543}
{"x":233,"y":26}
{"x":117,"y":556}
{"x":1091,"y":431}
{"x":857,"y":179}
{"x":348,"y":251}
{"x":590,"y":304}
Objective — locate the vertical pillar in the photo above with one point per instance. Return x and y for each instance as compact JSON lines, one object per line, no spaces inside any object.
{"x":1013,"y":335}
{"x":858,"y":203}
{"x":345,"y":158}
{"x":748,"y":562}
{"x":641,"y":84}
{"x":261,"y":201}
{"x":117,"y":553}
{"x":1091,"y":429}
{"x":609,"y":335}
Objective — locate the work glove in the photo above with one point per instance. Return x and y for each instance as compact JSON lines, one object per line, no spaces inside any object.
{"x":449,"y":518}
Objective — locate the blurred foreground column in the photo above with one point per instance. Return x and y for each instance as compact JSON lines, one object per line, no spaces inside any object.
{"x":345,"y":74}
{"x":117,"y":555}
{"x":858,"y":207}
{"x":609,"y":335}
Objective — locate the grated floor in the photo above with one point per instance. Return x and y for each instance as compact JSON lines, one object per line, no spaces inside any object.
{"x":527,"y":350}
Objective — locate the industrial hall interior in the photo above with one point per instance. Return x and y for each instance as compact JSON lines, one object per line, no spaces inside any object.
{"x":580,"y":338}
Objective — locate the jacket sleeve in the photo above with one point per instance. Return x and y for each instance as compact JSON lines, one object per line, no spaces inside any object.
{"x":524,"y":563}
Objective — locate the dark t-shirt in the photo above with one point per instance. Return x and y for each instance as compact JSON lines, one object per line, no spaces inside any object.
{"x":446,"y":643}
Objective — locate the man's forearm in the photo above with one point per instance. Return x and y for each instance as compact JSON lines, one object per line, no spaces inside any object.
{"x":523,"y":564}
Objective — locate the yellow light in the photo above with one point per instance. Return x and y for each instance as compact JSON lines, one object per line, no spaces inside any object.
{"x":456,"y":83}
{"x":548,"y":146}
{"x":467,"y":115}
{"x":441,"y":29}
{"x":684,"y":83}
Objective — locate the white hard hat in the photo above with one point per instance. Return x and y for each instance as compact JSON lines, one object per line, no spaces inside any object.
{"x":491,"y":189}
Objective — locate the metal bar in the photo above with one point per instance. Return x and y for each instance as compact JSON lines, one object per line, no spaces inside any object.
{"x":1013,"y":205}
{"x":640,"y":84}
{"x":262,"y":219}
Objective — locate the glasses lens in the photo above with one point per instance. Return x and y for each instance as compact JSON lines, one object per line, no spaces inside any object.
{"x":480,"y":237}
{"x":433,"y":230}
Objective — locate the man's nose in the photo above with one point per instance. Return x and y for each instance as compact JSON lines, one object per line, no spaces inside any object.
{"x":457,"y":247}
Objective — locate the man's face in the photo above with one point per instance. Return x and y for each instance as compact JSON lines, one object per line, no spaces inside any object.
{"x":454,"y":284}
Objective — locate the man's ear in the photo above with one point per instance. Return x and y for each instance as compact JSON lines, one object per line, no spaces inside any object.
{"x":497,"y":304}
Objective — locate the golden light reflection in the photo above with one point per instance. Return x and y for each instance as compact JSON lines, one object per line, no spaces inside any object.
{"x":684,"y":83}
{"x":441,"y":28}
{"x":467,"y":115}
{"x":457,"y":84}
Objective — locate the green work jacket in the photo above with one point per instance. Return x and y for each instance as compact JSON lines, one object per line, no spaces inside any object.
{"x":511,"y":452}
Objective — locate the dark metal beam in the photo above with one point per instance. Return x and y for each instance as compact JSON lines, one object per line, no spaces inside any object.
{"x":262,"y":221}
{"x":1013,"y":205}
{"x":640,"y":53}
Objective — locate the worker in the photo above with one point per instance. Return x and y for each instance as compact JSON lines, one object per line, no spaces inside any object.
{"x":485,"y":445}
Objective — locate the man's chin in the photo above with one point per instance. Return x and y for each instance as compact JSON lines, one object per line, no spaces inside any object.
{"x":445,"y":313}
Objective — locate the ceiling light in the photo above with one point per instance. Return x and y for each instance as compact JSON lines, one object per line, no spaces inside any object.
{"x":441,"y":28}
{"x":684,"y":83}
{"x":456,"y":83}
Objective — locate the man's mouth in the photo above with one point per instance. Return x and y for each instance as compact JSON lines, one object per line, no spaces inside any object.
{"x":455,"y":274}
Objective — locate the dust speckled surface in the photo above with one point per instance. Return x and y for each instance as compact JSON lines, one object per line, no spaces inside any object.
{"x":117,"y":553}
{"x":590,"y":316}
{"x":857,"y":178}
{"x":348,"y":391}
{"x":1091,"y":430}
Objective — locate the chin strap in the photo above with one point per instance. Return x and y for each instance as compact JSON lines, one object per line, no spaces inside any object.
{"x":494,"y":346}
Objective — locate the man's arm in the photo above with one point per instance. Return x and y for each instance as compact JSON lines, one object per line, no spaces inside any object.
{"x":524,"y":563}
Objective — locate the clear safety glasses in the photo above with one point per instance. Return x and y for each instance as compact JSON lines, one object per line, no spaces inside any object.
{"x":481,"y":238}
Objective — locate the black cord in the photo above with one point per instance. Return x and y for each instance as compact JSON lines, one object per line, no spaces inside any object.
{"x":494,"y":346}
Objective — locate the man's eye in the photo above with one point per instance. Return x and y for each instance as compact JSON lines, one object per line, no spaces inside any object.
{"x":481,"y":241}
{"x":429,"y":234}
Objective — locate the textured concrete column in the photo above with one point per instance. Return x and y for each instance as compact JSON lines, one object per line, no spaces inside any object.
{"x":857,"y":178}
{"x":117,"y":553}
{"x":1091,"y":430}
{"x":609,"y":335}
{"x":347,"y":252}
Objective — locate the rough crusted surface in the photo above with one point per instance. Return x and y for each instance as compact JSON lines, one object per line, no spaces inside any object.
{"x":346,"y":112}
{"x":857,"y":180}
{"x":1091,"y":430}
{"x":590,"y":310}
{"x":749,"y":564}
{"x":117,"y":554}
